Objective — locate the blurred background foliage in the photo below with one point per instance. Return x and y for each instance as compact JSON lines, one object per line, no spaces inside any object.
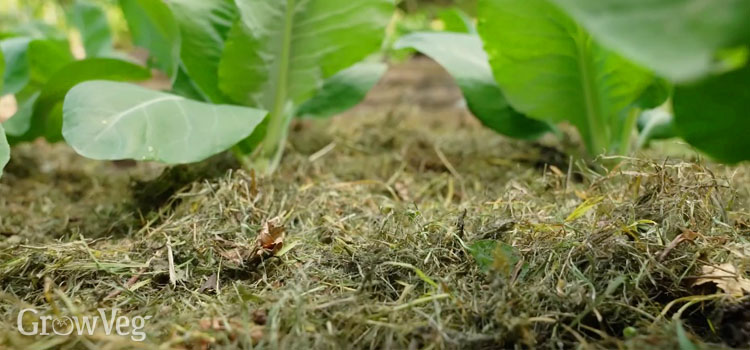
{"x":50,"y":19}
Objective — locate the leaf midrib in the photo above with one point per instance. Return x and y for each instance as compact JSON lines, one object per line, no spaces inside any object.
{"x":594,"y":119}
{"x":281,"y":91}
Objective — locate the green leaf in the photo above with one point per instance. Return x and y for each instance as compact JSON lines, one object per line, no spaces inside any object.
{"x":344,"y":90}
{"x":713,"y":115}
{"x":46,"y":58}
{"x":457,"y":21}
{"x":109,"y":120}
{"x":154,"y":28}
{"x":676,"y":38}
{"x":282,"y":51}
{"x":655,"y":94}
{"x":204,"y":26}
{"x":92,"y":23}
{"x":584,"y":208}
{"x":53,"y":92}
{"x":4,"y":150}
{"x":549,"y":68}
{"x":20,"y":122}
{"x":32,"y":62}
{"x":490,"y":254}
{"x":463,"y":57}
{"x":16,"y":74}
{"x":185,"y":86}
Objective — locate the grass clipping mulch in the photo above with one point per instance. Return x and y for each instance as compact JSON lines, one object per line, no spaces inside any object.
{"x":420,"y":248}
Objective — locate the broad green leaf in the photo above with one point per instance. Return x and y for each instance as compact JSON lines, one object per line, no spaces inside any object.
{"x":91,"y":21}
{"x":457,"y":21}
{"x":463,"y":57}
{"x":714,"y":115}
{"x":16,"y":74}
{"x":281,"y":52}
{"x":4,"y":150}
{"x":344,"y":90}
{"x":20,"y":122}
{"x":185,"y":86}
{"x":109,"y":120}
{"x":204,"y":25}
{"x":154,"y":28}
{"x":53,"y":92}
{"x":46,"y":58}
{"x":32,"y":61}
{"x":549,"y":68}
{"x":676,"y":38}
{"x":655,"y":94}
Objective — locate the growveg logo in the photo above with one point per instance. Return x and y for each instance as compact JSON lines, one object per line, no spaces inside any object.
{"x":108,"y":320}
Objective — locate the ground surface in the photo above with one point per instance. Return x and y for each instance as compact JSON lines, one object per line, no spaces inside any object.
{"x":401,"y":225}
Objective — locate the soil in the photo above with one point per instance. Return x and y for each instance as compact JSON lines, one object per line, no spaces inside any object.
{"x":402,"y":224}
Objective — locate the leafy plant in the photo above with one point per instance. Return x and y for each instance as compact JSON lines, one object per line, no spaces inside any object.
{"x":343,"y":91}
{"x":551,"y":69}
{"x":40,"y":71}
{"x":678,"y":39}
{"x":270,"y":55}
{"x":91,"y":21}
{"x":154,"y":28}
{"x":564,"y":60}
{"x":279,"y":53}
{"x":463,"y":57}
{"x":701,"y":46}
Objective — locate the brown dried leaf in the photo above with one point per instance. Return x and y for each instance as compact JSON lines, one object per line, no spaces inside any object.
{"x":210,"y":284}
{"x":271,"y":237}
{"x":725,"y":277}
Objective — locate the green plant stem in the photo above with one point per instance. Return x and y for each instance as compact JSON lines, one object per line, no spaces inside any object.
{"x":598,"y":131}
{"x":273,"y":144}
{"x":627,"y":131}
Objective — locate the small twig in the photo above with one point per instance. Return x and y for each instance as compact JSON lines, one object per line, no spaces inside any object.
{"x":170,"y":258}
{"x":322,"y":152}
{"x":461,"y":223}
{"x":447,"y":163}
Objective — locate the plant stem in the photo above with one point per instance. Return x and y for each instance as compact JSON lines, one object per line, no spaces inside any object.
{"x":627,"y":131}
{"x":280,"y":116}
{"x":598,"y":131}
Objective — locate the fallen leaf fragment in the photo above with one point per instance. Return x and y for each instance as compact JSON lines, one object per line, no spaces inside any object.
{"x":269,"y":242}
{"x":725,"y":277}
{"x":686,"y":235}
